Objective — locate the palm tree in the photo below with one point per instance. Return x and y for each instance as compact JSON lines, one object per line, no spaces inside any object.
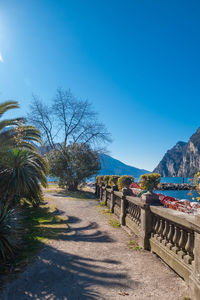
{"x":22,"y":169}
{"x":21,"y":172}
{"x":9,"y":232}
{"x":13,"y":132}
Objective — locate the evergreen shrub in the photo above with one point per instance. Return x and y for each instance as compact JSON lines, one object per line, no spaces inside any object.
{"x":124,"y":181}
{"x":113,"y":180}
{"x":150,"y":181}
{"x":106,"y":179}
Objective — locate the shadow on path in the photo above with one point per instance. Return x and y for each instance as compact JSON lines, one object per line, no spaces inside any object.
{"x":61,"y":275}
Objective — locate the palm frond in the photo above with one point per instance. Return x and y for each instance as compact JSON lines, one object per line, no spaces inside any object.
{"x":7,"y":105}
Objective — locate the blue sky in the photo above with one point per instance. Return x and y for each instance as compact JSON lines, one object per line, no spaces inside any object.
{"x":138,"y":62}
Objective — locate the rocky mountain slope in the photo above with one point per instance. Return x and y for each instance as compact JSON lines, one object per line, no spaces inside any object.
{"x":183,"y":160}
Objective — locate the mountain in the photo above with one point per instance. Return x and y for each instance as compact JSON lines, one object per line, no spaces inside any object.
{"x":183,"y":160}
{"x":109,"y":165}
{"x":112,"y":166}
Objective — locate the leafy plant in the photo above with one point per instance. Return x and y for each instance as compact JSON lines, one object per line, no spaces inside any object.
{"x":196,"y":182}
{"x":124,"y":181}
{"x":13,"y":132}
{"x":99,"y":179}
{"x":106,"y":179}
{"x":9,"y":232}
{"x":74,"y":165}
{"x":113,"y":180}
{"x":21,"y":172}
{"x":150,"y":181}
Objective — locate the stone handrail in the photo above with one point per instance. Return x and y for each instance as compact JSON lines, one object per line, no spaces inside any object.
{"x":173,"y":235}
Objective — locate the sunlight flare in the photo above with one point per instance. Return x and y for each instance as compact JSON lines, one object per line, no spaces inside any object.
{"x":1,"y":58}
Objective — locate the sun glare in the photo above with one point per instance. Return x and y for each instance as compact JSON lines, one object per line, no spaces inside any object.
{"x":1,"y":58}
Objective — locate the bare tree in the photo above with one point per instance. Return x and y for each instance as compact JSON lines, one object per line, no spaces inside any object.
{"x":68,"y":120}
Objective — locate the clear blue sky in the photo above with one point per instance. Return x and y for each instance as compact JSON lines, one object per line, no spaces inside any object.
{"x":138,"y":62}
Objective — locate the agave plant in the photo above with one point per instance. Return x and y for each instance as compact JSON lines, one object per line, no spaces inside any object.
{"x":21,"y":172}
{"x":9,"y":232}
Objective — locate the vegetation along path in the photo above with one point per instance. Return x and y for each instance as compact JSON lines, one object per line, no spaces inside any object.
{"x":91,"y":259}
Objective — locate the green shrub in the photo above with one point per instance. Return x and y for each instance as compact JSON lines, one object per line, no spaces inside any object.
{"x":106,"y":179}
{"x":113,"y":180}
{"x":9,"y":232}
{"x":150,"y":181}
{"x":124,"y":181}
{"x":99,"y":179}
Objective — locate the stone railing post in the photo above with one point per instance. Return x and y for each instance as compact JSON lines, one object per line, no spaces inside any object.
{"x":112,"y":199}
{"x":96,"y":189}
{"x":112,"y":204}
{"x":194,"y":283}
{"x":146,"y":219}
{"x":123,"y":206}
{"x":100,"y":192}
{"x":105,"y":195}
{"x":146,"y":227}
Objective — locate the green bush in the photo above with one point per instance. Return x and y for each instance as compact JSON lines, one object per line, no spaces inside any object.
{"x":124,"y":181}
{"x":9,"y":232}
{"x":99,"y":179}
{"x":22,"y":174}
{"x":113,"y":180}
{"x":106,"y":179}
{"x":150,"y":181}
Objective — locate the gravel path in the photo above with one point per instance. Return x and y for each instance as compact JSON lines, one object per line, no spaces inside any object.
{"x":91,"y":260}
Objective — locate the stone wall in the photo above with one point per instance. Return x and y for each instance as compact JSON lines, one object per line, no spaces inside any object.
{"x":174,"y":236}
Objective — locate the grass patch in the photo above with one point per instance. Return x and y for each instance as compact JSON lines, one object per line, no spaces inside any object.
{"x":134,"y":246}
{"x":39,"y":225}
{"x":75,"y":195}
{"x":114,"y":223}
{"x":107,"y":212}
{"x":102,"y":204}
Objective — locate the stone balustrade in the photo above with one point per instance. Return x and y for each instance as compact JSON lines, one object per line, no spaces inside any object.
{"x":174,"y":236}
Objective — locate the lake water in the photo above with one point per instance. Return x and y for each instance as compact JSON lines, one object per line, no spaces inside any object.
{"x":172,"y":180}
{"x":177,"y":194}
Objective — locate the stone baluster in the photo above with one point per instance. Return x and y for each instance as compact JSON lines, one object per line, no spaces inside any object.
{"x":181,"y":244}
{"x":160,"y":231}
{"x":175,"y":239}
{"x":133,"y":212}
{"x":164,"y":241}
{"x":193,"y":253}
{"x":189,"y":249}
{"x":169,"y":237}
{"x":136,"y":215}
{"x":153,"y":226}
{"x":156,"y":227}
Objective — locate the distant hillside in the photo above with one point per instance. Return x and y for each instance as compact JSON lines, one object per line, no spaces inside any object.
{"x":111,"y":166}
